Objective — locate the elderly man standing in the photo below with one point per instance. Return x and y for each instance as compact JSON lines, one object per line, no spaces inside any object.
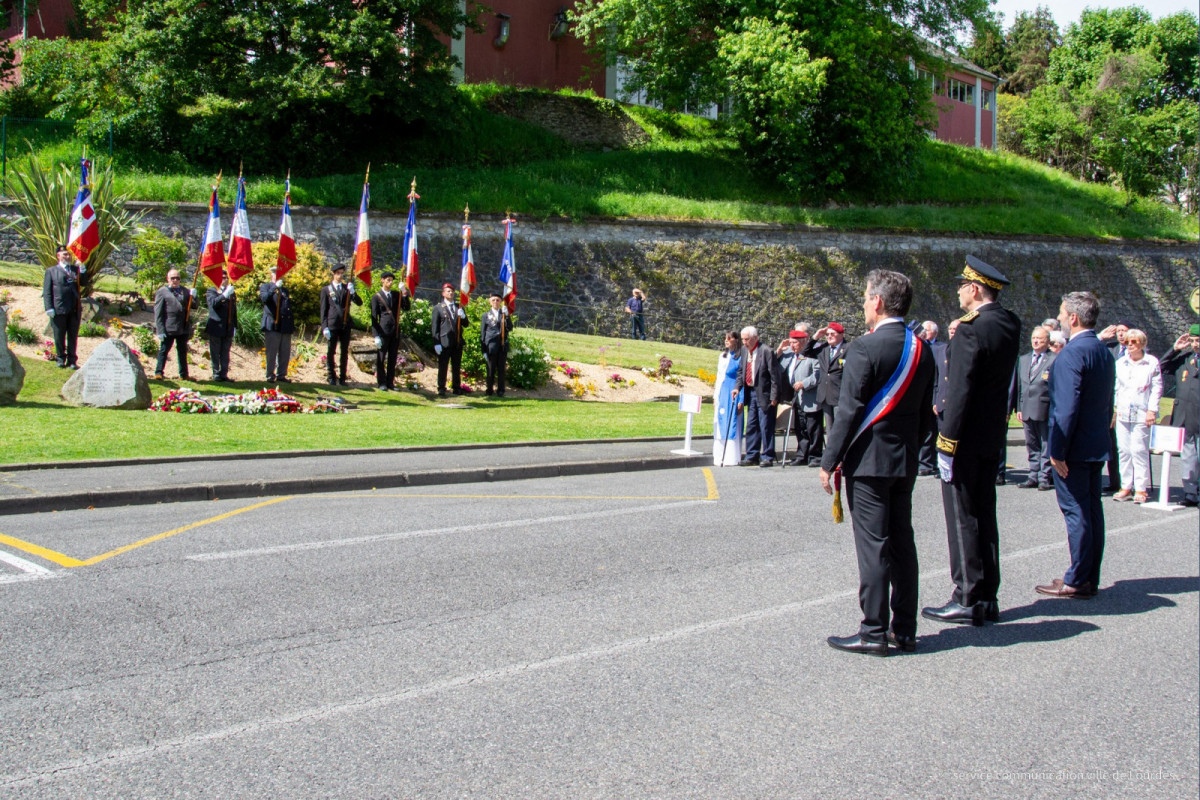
{"x":1082,"y":381}
{"x":1184,"y":361}
{"x":829,"y":348}
{"x":762,"y":396}
{"x":972,"y":442}
{"x":882,"y":412}
{"x":61,"y":298}
{"x":1031,"y":400}
{"x":801,"y":375}
{"x":172,"y":304}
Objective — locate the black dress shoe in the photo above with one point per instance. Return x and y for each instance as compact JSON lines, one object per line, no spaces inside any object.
{"x":283,"y":380}
{"x":343,"y":383}
{"x":991,"y":610}
{"x":766,"y":463}
{"x":956,"y":613}
{"x":270,"y":379}
{"x":1188,"y":502}
{"x":814,"y":464}
{"x":902,"y":642}
{"x":333,"y":382}
{"x":1027,"y":485}
{"x":747,"y":463}
{"x":857,"y":644}
{"x":1000,"y":480}
{"x":925,"y":473}
{"x":1045,"y":487}
{"x":797,"y":462}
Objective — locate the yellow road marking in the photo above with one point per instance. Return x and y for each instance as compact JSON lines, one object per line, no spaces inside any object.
{"x":68,"y":561}
{"x":64,"y":560}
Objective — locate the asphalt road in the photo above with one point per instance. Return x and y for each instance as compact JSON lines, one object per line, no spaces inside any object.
{"x":653,"y":634}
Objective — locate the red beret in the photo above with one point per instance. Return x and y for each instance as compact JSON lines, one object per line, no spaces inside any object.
{"x":798,"y":335}
{"x":447,"y":285}
{"x":836,"y":326}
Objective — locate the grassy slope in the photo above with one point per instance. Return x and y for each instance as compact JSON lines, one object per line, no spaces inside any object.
{"x":689,"y":170}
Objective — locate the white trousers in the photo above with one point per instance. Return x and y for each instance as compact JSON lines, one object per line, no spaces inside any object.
{"x":1133,"y":455}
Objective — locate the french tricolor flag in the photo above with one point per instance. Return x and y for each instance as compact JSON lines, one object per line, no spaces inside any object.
{"x":241,"y":259}
{"x":287,"y":239}
{"x":362,"y":244}
{"x":508,"y":270}
{"x":412,"y":275}
{"x":85,"y":229}
{"x":212,"y":251}
{"x":466,"y":283}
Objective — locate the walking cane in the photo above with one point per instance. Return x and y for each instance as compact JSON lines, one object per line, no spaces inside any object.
{"x":791,"y":421}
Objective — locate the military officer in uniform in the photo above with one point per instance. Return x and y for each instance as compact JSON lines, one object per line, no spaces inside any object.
{"x":493,"y":340}
{"x":278,"y":324}
{"x":971,"y":442}
{"x":448,"y":323}
{"x":221,"y":325}
{"x":335,"y":319}
{"x":61,"y":298}
{"x":386,"y":306}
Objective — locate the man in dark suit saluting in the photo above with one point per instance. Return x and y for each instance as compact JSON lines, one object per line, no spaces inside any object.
{"x":886,"y":404}
{"x":971,"y":442}
{"x":1082,"y":380}
{"x":448,"y":322}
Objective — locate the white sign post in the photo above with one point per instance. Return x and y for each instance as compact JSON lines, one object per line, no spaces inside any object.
{"x":1167,"y":440}
{"x":689,"y":403}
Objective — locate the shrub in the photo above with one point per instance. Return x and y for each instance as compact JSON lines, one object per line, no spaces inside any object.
{"x":156,"y":255}
{"x":304,"y":281}
{"x":93,"y":330}
{"x":146,"y":339}
{"x":249,"y":327}
{"x":528,"y":361}
{"x":19,"y":333}
{"x":417,"y":323}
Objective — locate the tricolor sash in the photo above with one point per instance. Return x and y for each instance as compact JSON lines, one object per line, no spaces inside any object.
{"x":887,"y":398}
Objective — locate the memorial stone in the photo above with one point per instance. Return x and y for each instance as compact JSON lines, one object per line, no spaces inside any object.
{"x":12,"y":374}
{"x":111,"y":378}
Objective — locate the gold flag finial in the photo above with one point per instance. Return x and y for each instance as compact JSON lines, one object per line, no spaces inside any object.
{"x":367,"y":177}
{"x":466,"y":213}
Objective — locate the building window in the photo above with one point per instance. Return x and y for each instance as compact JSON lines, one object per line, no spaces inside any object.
{"x":989,"y":100}
{"x":961,"y":91}
{"x":929,"y":79}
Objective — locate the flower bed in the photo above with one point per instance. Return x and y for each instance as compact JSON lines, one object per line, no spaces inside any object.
{"x":182,"y":401}
{"x":263,"y":401}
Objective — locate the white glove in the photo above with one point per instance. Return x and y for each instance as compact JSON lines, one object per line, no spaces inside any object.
{"x":378,"y":342}
{"x":437,"y":348}
{"x":193,"y":292}
{"x":229,"y":291}
{"x":327,"y":336}
{"x":50,"y":313}
{"x":462,"y":314}
{"x":82,"y":268}
{"x":946,"y":467}
{"x":353,"y":289}
{"x":233,"y":334}
{"x":162,"y":337}
{"x":279,"y":283}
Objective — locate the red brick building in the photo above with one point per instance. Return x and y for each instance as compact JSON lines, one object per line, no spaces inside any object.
{"x":965,"y":98}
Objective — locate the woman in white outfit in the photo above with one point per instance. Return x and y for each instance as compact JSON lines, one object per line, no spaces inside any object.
{"x":1139,"y":388}
{"x":727,"y":409}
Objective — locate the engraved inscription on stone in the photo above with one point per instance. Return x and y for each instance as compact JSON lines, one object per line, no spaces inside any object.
{"x":5,"y":358}
{"x":108,"y":379}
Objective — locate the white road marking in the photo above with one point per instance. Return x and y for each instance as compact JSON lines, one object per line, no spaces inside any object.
{"x":330,"y":711}
{"x":29,"y":570}
{"x":399,"y":535}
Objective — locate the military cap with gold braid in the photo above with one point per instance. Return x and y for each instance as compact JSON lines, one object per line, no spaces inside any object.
{"x":980,"y":271}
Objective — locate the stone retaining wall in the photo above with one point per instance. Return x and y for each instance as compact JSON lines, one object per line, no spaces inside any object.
{"x":702,"y":278}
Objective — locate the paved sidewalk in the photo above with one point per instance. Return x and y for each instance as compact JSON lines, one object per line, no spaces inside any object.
{"x":28,"y":488}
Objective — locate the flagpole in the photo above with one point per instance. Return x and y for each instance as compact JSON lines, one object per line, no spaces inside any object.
{"x":508,"y":221}
{"x":196,"y":275}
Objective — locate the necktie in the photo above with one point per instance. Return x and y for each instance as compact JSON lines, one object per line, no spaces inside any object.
{"x":1033,"y":367}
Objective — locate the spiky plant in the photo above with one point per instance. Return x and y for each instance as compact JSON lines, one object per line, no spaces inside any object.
{"x":44,"y":195}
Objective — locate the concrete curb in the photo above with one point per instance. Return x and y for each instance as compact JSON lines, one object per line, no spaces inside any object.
{"x":109,"y":498}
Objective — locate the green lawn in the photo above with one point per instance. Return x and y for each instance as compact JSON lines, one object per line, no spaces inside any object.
{"x":13,"y":273}
{"x":40,"y":427}
{"x":631,"y":353}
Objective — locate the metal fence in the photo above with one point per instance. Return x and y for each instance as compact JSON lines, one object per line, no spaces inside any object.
{"x":57,"y":138}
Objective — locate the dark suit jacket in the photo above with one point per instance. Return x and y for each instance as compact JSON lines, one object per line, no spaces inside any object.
{"x":1031,"y":393}
{"x":60,"y":290}
{"x":941,"y":374}
{"x":170,"y":312}
{"x":980,"y":361}
{"x":385,"y":313}
{"x":767,"y":379}
{"x":1186,"y":411}
{"x":1082,"y":380}
{"x":277,"y":309}
{"x":445,"y":325}
{"x":888,"y":449}
{"x":830,"y":386}
{"x":222,"y":314}
{"x":335,"y":313}
{"x":490,"y":332}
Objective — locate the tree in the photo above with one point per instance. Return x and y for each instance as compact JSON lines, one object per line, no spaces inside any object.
{"x":857,"y":123}
{"x":44,"y":196}
{"x":988,"y":48}
{"x":273,"y":80}
{"x":1030,"y":41}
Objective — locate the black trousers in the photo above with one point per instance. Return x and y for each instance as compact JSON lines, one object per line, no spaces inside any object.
{"x":385,"y":361}
{"x":969,"y":503}
{"x":881,"y":511}
{"x":497,"y":364}
{"x":810,"y":445}
{"x":927,"y":456}
{"x":450,"y":357}
{"x":218,"y":354}
{"x":66,"y":336}
{"x":337,"y":338}
{"x":181,"y":350}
